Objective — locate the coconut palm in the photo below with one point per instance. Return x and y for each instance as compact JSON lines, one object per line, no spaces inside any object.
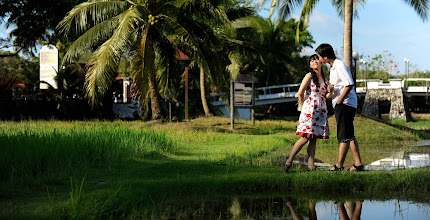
{"x":215,"y":41}
{"x":268,"y":46}
{"x":141,"y":27}
{"x":206,"y":25}
{"x":347,"y":9}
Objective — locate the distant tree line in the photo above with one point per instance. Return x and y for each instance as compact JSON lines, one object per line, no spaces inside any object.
{"x":99,"y":40}
{"x":138,"y":39}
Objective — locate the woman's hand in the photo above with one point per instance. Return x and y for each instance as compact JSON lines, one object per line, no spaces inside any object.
{"x":330,"y":88}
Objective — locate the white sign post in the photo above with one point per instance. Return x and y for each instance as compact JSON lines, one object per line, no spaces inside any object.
{"x":48,"y":66}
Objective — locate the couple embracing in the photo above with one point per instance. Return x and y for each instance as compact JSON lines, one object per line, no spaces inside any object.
{"x":313,"y":93}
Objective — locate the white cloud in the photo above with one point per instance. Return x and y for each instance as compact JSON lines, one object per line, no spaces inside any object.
{"x":307,"y":51}
{"x":324,"y":23}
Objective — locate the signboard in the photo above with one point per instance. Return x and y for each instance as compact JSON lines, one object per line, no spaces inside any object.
{"x":48,"y":66}
{"x":243,"y":94}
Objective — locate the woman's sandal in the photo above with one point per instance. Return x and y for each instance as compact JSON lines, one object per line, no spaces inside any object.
{"x":335,"y":168}
{"x":285,"y":167}
{"x":358,"y":168}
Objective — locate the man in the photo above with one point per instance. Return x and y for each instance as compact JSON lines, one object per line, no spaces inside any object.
{"x":344,"y":104}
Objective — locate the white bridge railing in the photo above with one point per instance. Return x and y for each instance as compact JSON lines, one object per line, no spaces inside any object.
{"x":286,"y":93}
{"x":411,"y":86}
{"x":276,"y":94}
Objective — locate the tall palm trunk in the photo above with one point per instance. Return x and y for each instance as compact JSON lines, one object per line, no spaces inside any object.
{"x":149,"y":58}
{"x":203,"y":92}
{"x":155,"y":97}
{"x":347,"y":33}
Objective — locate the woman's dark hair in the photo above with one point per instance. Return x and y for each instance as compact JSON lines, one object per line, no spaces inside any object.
{"x":314,"y":74}
{"x":326,"y":50}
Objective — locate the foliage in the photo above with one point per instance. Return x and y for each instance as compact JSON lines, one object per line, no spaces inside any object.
{"x":381,"y":66}
{"x":267,"y":50}
{"x":346,"y":9}
{"x":33,"y":21}
{"x":151,"y":30}
{"x":14,"y":70}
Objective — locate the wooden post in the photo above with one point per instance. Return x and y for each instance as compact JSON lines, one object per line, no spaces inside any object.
{"x":179,"y":55}
{"x":170,"y":112}
{"x":253,"y":116}
{"x":253,"y":104}
{"x":186,"y":93}
{"x":232,"y":104}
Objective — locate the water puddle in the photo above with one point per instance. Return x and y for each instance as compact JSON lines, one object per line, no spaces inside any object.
{"x":377,"y":157}
{"x":287,"y":208}
{"x":417,"y":156}
{"x":401,"y":160}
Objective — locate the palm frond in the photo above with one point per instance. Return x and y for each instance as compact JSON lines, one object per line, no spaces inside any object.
{"x":420,"y":6}
{"x":91,"y":38}
{"x":257,"y":23}
{"x":147,"y":69}
{"x":104,"y":61}
{"x":140,"y":82}
{"x":236,"y":64}
{"x":87,"y":14}
{"x":340,"y":7}
{"x":209,"y":9}
{"x":304,"y":16}
{"x":176,"y":33}
{"x":284,"y":7}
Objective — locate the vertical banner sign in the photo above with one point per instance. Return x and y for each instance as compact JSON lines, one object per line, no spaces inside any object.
{"x":48,"y":66}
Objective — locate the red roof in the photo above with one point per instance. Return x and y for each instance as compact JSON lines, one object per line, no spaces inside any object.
{"x":17,"y":83}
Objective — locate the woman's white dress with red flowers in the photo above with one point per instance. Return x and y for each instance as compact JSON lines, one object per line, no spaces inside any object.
{"x":313,"y":118}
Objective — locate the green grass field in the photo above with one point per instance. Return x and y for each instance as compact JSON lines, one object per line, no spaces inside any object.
{"x":119,"y":169}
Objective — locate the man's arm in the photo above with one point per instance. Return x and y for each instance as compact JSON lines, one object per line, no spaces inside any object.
{"x":345,"y":93}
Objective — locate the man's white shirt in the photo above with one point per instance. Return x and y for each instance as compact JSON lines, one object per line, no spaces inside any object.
{"x":340,"y":77}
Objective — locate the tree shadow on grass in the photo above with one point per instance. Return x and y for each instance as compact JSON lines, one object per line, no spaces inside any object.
{"x":243,"y":128}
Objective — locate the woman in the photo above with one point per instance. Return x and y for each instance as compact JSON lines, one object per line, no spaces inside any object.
{"x":313,"y":122}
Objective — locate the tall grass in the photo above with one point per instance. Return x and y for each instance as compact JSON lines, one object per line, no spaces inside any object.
{"x":30,"y":152}
{"x":147,"y":169}
{"x":32,"y":148}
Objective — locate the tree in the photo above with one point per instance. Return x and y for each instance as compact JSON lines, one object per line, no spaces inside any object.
{"x":214,"y":41}
{"x":112,"y":28}
{"x":11,"y":71}
{"x":269,"y":48}
{"x":381,"y":66}
{"x":347,"y":9}
{"x":32,"y":21}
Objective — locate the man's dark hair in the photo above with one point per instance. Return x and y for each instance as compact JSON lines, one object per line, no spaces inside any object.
{"x":325,"y":50}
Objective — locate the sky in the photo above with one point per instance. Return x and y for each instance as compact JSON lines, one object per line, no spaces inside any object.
{"x":383,"y":25}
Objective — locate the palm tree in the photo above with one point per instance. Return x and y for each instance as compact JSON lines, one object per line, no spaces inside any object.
{"x":212,"y":40}
{"x":347,"y":9}
{"x":268,"y":46}
{"x":113,"y":27}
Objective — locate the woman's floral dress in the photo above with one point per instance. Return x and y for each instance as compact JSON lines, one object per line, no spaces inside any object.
{"x":313,"y":118}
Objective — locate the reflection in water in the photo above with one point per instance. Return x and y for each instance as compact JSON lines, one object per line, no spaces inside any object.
{"x":312,"y":214}
{"x":288,"y":208}
{"x":350,"y":210}
{"x":401,"y":160}
{"x":235,"y":209}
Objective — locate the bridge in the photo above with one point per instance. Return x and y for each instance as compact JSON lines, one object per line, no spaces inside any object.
{"x":373,"y":89}
{"x":411,"y":86}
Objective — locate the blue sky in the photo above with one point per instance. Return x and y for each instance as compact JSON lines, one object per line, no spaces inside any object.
{"x":383,"y":25}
